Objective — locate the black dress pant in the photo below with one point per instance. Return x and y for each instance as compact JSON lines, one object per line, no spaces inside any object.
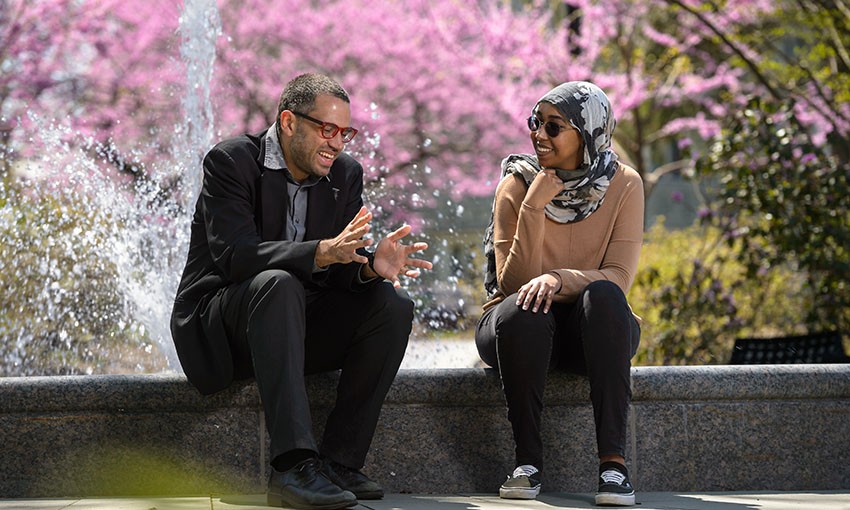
{"x":279,"y":332}
{"x":596,"y":336}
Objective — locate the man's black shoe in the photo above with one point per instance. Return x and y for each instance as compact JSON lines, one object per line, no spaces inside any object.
{"x":304,"y":486}
{"x":352,"y":480}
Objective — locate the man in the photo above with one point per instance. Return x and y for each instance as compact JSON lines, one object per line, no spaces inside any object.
{"x":278,"y":284}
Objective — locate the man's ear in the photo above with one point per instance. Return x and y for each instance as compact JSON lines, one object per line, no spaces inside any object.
{"x":286,"y":120}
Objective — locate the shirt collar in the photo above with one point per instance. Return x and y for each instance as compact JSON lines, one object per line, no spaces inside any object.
{"x":274,"y":159}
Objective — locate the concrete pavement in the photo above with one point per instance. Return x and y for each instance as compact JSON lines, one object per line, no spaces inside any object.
{"x":767,"y":500}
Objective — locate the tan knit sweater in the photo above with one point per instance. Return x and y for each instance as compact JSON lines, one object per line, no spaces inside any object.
{"x":603,"y":246}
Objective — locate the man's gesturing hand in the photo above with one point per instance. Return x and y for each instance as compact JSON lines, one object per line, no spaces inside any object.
{"x":342,"y":248}
{"x":392,"y":258}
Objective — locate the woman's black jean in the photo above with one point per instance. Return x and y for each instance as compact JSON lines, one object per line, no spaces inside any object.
{"x":596,"y":336}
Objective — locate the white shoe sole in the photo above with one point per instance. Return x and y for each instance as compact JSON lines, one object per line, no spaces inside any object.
{"x":518,"y":492}
{"x":612,"y":499}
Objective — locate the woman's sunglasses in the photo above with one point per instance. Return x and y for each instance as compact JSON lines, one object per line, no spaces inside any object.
{"x":552,"y":128}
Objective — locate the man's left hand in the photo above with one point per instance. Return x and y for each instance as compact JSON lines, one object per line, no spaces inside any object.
{"x":393,"y":258}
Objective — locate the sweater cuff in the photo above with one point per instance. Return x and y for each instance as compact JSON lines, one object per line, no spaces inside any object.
{"x":560,"y":280}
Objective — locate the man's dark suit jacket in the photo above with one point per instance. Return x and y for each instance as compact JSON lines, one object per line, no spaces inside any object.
{"x":238,"y":230}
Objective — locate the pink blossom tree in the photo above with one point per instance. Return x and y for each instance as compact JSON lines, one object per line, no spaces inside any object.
{"x":440,"y":89}
{"x":106,"y":68}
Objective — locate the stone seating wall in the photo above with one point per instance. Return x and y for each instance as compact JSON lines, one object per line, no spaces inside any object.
{"x":717,"y":428}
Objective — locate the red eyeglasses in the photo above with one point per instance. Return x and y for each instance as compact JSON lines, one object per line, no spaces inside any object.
{"x":329,"y":130}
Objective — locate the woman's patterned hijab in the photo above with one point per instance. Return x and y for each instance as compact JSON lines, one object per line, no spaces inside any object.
{"x":586,"y":107}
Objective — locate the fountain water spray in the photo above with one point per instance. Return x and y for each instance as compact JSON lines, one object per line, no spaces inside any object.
{"x":200,"y":26}
{"x":92,"y":239}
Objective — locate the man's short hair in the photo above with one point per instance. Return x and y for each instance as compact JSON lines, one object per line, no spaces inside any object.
{"x":300,"y":94}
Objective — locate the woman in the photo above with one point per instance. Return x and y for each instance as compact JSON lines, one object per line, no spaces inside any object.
{"x":562,"y":250}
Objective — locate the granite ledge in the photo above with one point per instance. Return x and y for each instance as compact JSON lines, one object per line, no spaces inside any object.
{"x":736,"y":382}
{"x":437,"y":387}
{"x":122,"y":393}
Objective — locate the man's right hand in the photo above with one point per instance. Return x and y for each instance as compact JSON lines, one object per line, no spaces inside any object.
{"x":342,"y":249}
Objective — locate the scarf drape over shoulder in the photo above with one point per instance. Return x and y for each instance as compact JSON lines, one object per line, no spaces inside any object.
{"x":587,"y":109}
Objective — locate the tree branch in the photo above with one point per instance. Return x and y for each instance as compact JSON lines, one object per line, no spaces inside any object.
{"x":652,"y":178}
{"x":731,"y":45}
{"x":753,"y":67}
{"x":838,"y":45}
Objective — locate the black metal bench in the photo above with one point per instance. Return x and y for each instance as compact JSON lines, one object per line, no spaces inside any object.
{"x":823,"y":347}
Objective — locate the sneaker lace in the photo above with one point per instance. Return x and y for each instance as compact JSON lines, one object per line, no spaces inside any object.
{"x":613,"y":476}
{"x":525,"y":470}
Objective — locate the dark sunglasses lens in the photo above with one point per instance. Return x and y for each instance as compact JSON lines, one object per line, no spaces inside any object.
{"x":552,"y":129}
{"x":533,"y":123}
